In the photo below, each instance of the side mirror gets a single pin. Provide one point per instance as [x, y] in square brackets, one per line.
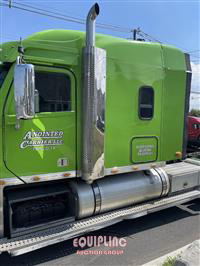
[24, 91]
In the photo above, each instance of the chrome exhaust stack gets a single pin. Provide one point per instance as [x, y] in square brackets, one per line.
[93, 103]
[90, 25]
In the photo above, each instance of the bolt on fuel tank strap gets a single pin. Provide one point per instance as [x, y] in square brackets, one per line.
[97, 198]
[165, 181]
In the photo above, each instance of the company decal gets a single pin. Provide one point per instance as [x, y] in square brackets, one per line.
[42, 139]
[143, 150]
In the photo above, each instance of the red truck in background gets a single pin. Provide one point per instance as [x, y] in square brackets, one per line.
[193, 131]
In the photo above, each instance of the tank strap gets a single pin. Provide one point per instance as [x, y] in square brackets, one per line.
[97, 198]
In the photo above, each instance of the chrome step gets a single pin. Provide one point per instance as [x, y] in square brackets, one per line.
[28, 243]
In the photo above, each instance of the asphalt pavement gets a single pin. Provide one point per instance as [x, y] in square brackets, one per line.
[147, 237]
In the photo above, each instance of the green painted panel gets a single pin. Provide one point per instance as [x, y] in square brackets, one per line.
[40, 143]
[173, 103]
[124, 79]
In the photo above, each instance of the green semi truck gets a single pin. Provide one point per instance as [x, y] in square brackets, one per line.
[93, 131]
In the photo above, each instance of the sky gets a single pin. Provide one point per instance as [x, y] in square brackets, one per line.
[175, 22]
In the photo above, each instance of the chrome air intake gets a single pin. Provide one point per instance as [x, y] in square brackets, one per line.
[118, 191]
[93, 103]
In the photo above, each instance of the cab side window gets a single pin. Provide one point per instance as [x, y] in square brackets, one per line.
[146, 103]
[196, 126]
[54, 91]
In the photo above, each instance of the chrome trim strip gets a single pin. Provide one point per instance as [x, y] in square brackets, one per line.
[48, 177]
[133, 168]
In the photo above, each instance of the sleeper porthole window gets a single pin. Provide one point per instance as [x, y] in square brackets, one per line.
[146, 103]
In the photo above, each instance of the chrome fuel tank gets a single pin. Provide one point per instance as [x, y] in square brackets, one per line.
[118, 191]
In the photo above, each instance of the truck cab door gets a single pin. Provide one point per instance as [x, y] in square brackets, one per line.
[46, 144]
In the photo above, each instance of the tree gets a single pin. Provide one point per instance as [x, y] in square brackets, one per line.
[194, 112]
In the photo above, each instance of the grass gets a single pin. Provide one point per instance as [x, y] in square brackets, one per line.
[170, 261]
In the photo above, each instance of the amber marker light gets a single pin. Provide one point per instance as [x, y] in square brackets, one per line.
[36, 178]
[114, 170]
[66, 174]
[2, 183]
[178, 154]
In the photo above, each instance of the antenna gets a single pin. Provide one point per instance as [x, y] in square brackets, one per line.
[135, 32]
